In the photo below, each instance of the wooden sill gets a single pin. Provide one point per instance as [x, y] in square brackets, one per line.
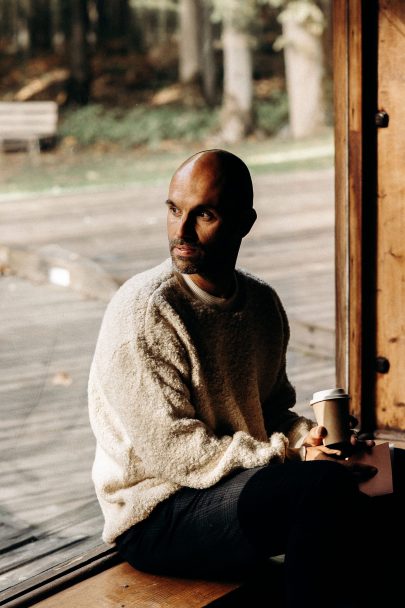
[121, 585]
[52, 580]
[115, 585]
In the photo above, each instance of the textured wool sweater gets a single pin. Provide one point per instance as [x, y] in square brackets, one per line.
[181, 393]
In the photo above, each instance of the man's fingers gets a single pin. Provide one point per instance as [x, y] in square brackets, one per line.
[331, 452]
[321, 452]
[358, 445]
[316, 434]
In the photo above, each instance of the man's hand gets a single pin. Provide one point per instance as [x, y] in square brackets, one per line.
[315, 450]
[361, 472]
[356, 443]
[315, 436]
[317, 433]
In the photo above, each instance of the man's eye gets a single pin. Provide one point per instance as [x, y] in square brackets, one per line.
[174, 210]
[207, 215]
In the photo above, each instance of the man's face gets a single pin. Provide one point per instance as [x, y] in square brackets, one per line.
[204, 230]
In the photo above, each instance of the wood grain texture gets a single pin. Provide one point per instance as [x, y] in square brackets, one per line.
[390, 387]
[340, 97]
[124, 586]
[348, 188]
[355, 296]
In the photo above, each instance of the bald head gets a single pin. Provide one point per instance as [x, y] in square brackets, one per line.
[210, 210]
[226, 172]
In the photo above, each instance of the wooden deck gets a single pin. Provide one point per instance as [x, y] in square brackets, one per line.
[48, 510]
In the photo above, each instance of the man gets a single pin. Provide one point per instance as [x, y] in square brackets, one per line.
[199, 463]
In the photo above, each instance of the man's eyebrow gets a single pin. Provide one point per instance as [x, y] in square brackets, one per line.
[200, 206]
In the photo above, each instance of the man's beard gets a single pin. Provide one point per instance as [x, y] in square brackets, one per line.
[184, 264]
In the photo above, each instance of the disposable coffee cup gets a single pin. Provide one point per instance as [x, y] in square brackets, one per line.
[331, 409]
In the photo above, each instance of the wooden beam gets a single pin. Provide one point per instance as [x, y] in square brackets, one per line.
[354, 95]
[355, 300]
[348, 182]
[340, 67]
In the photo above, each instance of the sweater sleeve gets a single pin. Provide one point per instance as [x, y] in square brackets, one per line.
[141, 395]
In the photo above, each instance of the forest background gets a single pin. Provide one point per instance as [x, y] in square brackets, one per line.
[155, 76]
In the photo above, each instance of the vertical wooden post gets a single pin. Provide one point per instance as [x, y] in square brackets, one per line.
[347, 37]
[355, 77]
[390, 272]
[340, 69]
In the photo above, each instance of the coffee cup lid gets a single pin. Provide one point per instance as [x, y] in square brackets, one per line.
[330, 393]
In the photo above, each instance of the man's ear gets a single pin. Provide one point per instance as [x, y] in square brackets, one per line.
[249, 218]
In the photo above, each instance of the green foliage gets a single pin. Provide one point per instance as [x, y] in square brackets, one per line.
[141, 125]
[145, 125]
[271, 115]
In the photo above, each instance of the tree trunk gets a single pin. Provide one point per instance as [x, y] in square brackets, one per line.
[119, 21]
[79, 83]
[162, 22]
[237, 101]
[303, 55]
[22, 42]
[6, 25]
[40, 25]
[113, 27]
[189, 58]
[102, 23]
[208, 65]
[134, 29]
[58, 35]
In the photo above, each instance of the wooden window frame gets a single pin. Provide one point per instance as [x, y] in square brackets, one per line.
[355, 103]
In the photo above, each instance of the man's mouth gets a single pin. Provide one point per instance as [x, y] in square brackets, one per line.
[185, 250]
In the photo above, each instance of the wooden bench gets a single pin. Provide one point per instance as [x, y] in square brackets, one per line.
[122, 585]
[27, 122]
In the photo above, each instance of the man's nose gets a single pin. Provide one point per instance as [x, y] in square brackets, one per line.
[185, 228]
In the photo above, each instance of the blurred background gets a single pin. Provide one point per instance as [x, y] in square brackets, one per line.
[137, 86]
[135, 74]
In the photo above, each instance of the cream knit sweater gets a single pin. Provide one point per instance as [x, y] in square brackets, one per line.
[181, 393]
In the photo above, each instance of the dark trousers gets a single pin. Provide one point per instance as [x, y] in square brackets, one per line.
[311, 512]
